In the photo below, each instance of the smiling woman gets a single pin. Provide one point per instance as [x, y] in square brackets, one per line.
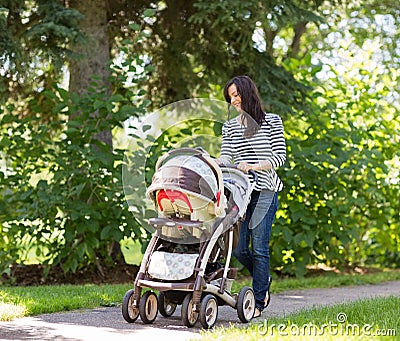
[255, 141]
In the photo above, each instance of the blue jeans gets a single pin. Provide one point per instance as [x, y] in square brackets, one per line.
[256, 228]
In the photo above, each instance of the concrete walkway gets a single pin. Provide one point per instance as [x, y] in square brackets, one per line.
[108, 323]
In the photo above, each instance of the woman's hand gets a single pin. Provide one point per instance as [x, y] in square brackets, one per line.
[244, 166]
[263, 165]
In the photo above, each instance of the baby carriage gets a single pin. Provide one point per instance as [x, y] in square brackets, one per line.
[187, 260]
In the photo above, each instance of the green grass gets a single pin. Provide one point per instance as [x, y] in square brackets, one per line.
[328, 280]
[366, 319]
[27, 301]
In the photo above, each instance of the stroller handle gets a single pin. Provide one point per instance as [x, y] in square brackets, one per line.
[251, 172]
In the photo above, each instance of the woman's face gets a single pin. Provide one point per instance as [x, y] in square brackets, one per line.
[233, 94]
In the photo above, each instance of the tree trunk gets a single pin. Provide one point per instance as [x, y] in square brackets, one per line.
[94, 58]
[94, 53]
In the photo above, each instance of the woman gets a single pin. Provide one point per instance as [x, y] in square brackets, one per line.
[254, 140]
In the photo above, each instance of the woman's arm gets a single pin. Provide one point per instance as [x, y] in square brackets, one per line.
[278, 146]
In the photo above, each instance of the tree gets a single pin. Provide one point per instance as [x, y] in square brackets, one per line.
[62, 186]
[92, 67]
[34, 41]
[61, 183]
[95, 54]
[38, 38]
[196, 46]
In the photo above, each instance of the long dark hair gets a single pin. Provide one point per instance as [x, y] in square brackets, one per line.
[250, 105]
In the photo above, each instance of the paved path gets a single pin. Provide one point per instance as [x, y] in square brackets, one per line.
[108, 323]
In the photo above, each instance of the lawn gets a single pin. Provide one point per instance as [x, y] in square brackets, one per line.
[27, 301]
[364, 319]
[328, 280]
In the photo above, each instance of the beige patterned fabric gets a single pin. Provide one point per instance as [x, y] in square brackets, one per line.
[172, 266]
[197, 165]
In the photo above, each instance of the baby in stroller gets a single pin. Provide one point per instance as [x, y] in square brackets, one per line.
[187, 260]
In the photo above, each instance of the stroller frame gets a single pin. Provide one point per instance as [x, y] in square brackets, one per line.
[206, 289]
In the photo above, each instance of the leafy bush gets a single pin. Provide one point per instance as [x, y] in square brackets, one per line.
[61, 188]
[340, 204]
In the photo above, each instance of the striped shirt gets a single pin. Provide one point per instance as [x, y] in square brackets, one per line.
[267, 144]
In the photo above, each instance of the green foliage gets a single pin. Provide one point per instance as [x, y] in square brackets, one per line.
[35, 35]
[61, 188]
[197, 44]
[63, 192]
[340, 205]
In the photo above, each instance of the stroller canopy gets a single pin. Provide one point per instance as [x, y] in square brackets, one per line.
[193, 195]
[189, 171]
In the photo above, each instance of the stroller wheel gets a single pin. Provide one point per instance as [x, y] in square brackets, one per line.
[208, 311]
[148, 307]
[165, 306]
[129, 312]
[189, 316]
[246, 304]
